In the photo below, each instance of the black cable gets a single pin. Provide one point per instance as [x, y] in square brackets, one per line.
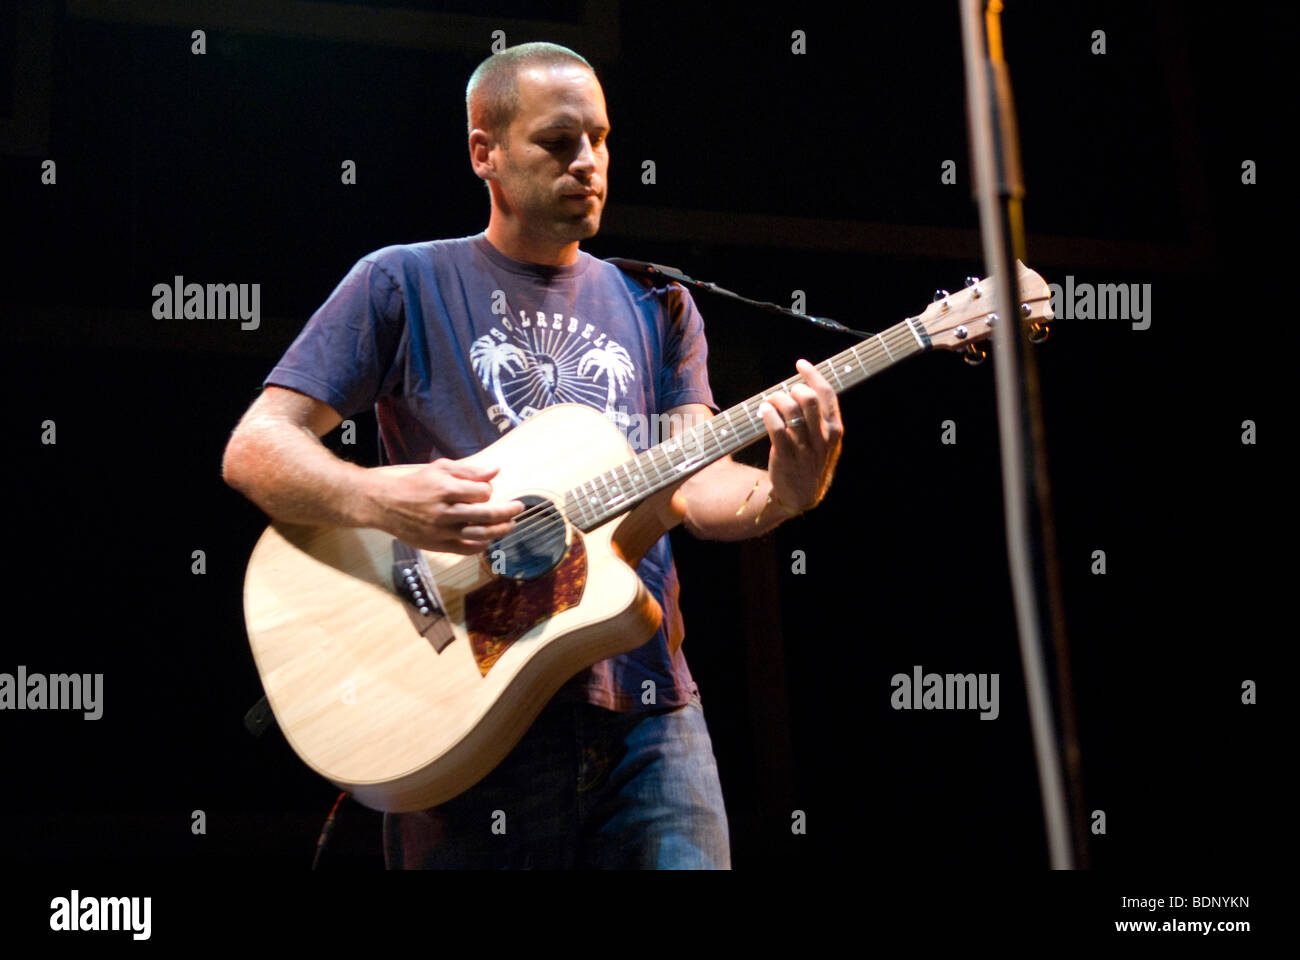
[327, 829]
[658, 270]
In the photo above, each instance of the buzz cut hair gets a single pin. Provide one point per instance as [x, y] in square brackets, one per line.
[492, 94]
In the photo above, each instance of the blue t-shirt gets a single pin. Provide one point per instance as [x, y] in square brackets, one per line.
[454, 343]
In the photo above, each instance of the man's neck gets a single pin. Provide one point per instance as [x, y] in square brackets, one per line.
[516, 246]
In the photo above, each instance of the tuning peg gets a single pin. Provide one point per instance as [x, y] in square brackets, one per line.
[974, 355]
[939, 295]
[970, 281]
[1038, 332]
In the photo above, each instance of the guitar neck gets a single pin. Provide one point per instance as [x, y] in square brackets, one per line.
[604, 497]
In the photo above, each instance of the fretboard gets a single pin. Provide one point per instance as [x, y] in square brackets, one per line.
[602, 498]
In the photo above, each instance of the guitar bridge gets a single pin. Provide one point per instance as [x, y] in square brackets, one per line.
[418, 592]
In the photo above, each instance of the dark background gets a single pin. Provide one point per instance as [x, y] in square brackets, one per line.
[775, 172]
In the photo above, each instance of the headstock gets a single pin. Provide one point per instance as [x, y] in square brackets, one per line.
[957, 321]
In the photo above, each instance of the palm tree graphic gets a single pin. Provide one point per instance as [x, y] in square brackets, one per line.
[490, 357]
[612, 361]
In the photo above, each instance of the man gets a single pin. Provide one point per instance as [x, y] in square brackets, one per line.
[457, 341]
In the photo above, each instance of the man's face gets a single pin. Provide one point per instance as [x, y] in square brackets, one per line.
[553, 169]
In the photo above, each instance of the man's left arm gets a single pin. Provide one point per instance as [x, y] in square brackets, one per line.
[725, 499]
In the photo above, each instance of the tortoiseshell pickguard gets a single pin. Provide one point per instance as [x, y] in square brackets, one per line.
[499, 613]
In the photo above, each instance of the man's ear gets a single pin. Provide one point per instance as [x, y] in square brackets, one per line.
[482, 157]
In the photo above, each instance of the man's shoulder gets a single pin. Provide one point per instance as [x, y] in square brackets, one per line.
[670, 298]
[398, 258]
[667, 293]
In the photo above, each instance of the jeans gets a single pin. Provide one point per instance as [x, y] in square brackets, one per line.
[586, 788]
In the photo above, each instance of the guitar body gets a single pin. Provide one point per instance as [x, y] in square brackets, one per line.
[371, 703]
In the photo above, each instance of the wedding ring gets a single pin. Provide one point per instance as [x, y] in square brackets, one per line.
[794, 422]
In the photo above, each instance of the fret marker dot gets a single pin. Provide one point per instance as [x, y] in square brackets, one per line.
[847, 368]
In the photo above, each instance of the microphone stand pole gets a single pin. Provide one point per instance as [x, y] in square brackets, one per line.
[999, 189]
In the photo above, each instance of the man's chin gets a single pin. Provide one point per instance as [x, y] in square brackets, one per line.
[580, 228]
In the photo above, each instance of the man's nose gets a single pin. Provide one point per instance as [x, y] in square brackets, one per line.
[586, 156]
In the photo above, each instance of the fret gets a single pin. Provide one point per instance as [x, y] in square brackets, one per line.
[730, 427]
[910, 321]
[839, 384]
[654, 458]
[589, 495]
[611, 483]
[713, 435]
[610, 493]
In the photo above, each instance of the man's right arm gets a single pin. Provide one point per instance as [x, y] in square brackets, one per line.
[276, 459]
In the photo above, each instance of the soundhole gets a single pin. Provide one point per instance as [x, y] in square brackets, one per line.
[534, 546]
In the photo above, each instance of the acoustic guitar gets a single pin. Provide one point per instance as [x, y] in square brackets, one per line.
[403, 676]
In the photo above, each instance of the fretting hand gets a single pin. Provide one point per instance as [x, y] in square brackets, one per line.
[806, 433]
